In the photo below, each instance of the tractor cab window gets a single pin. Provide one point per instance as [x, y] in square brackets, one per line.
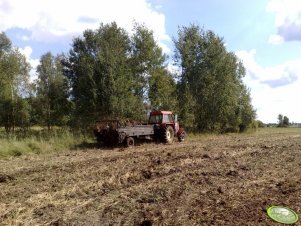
[154, 119]
[168, 118]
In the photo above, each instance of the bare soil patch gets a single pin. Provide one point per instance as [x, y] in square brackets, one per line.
[218, 180]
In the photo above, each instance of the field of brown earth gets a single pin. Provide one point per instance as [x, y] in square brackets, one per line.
[209, 180]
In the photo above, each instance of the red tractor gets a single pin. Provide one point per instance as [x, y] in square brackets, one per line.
[166, 126]
[162, 126]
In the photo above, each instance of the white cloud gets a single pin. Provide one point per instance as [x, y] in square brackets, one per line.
[286, 10]
[52, 20]
[287, 20]
[248, 59]
[275, 89]
[27, 51]
[276, 39]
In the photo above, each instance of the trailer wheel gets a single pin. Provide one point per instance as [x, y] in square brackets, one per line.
[130, 142]
[169, 135]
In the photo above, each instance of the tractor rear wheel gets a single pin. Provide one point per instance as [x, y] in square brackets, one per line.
[130, 142]
[169, 134]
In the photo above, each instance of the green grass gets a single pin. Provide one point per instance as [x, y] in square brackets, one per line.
[40, 141]
[277, 130]
[250, 132]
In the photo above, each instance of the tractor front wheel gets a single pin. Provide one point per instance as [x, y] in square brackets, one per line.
[181, 136]
[169, 135]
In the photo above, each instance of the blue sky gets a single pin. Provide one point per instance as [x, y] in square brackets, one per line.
[264, 34]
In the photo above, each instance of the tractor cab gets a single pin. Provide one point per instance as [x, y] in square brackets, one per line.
[165, 118]
[161, 117]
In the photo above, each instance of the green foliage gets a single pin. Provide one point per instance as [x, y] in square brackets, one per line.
[210, 88]
[283, 121]
[51, 104]
[100, 76]
[162, 90]
[187, 106]
[280, 119]
[260, 124]
[14, 76]
[153, 82]
[286, 121]
[247, 114]
[113, 74]
[5, 43]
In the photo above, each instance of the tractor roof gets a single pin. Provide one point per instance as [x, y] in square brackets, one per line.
[161, 113]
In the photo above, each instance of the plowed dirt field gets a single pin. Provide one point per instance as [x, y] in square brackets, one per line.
[212, 180]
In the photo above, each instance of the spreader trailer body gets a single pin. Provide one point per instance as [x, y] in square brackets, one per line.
[162, 126]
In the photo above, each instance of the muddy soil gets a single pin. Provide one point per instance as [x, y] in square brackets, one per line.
[214, 180]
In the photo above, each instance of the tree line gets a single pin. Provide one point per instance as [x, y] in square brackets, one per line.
[109, 73]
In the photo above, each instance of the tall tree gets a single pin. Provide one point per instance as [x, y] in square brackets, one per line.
[153, 82]
[52, 92]
[210, 88]
[14, 77]
[283, 121]
[286, 121]
[280, 120]
[99, 70]
[246, 112]
[185, 59]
